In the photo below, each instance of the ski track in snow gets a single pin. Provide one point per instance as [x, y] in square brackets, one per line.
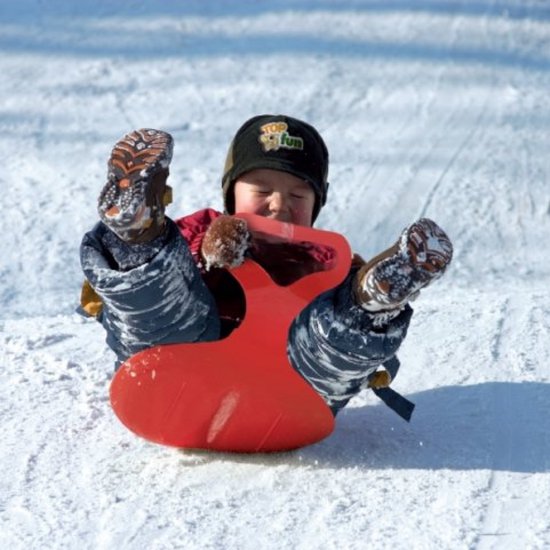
[435, 109]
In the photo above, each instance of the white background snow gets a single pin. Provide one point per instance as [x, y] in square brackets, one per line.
[429, 107]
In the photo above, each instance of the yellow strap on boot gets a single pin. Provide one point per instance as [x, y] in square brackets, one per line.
[168, 196]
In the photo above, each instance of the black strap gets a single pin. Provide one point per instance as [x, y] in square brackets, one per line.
[395, 401]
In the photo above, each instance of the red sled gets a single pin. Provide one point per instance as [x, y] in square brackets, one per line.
[238, 394]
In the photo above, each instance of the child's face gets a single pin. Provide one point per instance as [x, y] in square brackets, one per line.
[274, 194]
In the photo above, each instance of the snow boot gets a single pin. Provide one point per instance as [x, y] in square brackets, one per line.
[133, 200]
[394, 277]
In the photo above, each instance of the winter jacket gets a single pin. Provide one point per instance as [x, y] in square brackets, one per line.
[158, 293]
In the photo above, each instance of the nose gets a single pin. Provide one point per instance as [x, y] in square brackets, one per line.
[277, 203]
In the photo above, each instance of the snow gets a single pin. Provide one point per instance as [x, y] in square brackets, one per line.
[435, 108]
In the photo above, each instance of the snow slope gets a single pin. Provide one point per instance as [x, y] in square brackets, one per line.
[429, 107]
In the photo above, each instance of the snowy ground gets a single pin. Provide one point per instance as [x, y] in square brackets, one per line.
[429, 107]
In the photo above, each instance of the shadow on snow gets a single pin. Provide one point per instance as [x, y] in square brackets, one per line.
[493, 425]
[78, 29]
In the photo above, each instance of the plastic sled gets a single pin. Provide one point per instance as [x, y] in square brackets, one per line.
[238, 394]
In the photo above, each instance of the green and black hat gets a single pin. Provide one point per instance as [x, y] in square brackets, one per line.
[281, 143]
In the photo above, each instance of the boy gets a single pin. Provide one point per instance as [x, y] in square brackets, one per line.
[161, 281]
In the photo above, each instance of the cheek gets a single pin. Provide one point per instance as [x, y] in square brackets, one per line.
[248, 204]
[302, 214]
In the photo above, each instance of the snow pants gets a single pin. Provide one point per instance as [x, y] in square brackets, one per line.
[154, 294]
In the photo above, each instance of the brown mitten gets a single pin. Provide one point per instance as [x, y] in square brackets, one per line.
[225, 242]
